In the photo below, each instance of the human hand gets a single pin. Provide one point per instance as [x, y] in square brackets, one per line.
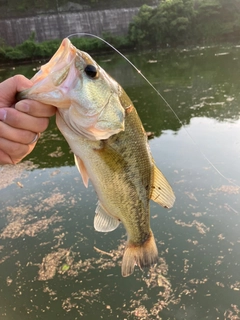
[20, 123]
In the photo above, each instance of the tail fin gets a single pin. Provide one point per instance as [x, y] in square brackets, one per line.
[141, 255]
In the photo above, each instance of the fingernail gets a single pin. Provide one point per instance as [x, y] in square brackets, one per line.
[3, 114]
[22, 106]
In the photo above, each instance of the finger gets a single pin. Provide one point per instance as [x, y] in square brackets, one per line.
[16, 135]
[35, 108]
[4, 158]
[13, 152]
[10, 87]
[20, 120]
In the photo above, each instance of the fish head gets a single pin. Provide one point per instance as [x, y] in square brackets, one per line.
[87, 98]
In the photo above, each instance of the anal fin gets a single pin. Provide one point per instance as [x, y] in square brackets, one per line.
[104, 222]
[162, 192]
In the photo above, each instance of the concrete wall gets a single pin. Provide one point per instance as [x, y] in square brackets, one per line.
[58, 26]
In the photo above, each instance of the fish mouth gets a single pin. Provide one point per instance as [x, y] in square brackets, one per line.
[59, 61]
[63, 83]
[53, 81]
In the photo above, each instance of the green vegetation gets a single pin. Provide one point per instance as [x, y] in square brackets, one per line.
[65, 267]
[180, 22]
[171, 23]
[31, 50]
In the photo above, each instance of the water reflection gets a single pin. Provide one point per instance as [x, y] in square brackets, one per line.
[54, 265]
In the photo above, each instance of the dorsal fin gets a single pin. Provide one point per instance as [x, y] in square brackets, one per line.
[82, 169]
[162, 192]
[103, 222]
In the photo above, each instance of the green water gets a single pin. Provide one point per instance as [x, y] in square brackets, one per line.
[49, 265]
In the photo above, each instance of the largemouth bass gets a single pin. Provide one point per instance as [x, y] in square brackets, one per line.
[110, 147]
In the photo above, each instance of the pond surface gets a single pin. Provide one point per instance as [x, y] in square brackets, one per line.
[54, 265]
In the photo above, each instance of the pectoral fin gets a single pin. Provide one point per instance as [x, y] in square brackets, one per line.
[82, 169]
[103, 222]
[162, 192]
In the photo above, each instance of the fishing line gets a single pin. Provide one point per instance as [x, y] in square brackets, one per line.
[164, 100]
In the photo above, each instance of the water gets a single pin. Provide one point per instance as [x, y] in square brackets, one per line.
[50, 264]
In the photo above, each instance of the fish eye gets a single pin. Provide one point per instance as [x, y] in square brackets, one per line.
[91, 71]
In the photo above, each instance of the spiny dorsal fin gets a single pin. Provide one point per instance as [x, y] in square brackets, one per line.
[82, 169]
[103, 222]
[162, 192]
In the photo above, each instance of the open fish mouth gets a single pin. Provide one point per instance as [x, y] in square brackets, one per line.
[53, 81]
[60, 61]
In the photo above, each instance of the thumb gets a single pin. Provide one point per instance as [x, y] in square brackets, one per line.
[10, 87]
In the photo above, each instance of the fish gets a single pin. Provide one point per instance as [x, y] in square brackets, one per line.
[110, 146]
